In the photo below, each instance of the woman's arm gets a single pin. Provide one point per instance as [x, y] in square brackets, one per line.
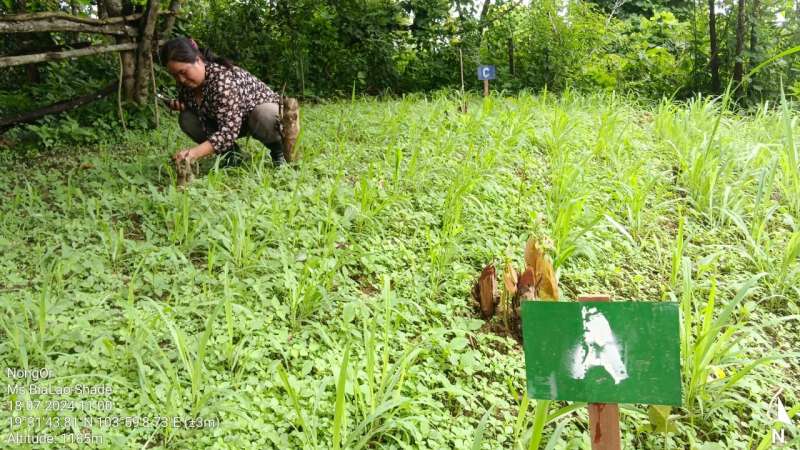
[229, 119]
[225, 103]
[199, 151]
[229, 122]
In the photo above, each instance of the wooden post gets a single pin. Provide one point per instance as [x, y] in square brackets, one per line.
[485, 88]
[603, 417]
[145, 51]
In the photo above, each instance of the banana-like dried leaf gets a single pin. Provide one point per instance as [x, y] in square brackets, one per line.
[532, 253]
[544, 275]
[510, 279]
[290, 127]
[487, 290]
[526, 286]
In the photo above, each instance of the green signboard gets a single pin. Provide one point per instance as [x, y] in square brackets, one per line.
[602, 352]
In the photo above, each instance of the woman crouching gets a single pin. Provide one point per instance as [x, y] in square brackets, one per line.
[219, 103]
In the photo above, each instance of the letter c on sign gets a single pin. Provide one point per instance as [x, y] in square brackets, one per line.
[486, 72]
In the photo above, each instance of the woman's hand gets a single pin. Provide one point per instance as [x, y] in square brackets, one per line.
[194, 153]
[175, 105]
[183, 154]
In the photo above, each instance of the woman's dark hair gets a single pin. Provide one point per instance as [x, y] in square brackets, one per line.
[186, 50]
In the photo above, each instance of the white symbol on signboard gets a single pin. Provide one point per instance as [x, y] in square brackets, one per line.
[486, 72]
[597, 348]
[781, 416]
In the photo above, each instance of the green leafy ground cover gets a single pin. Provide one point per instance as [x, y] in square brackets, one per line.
[327, 305]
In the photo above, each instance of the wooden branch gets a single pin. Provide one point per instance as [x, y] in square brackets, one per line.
[79, 19]
[52, 48]
[55, 56]
[57, 22]
[44, 16]
[66, 105]
[61, 24]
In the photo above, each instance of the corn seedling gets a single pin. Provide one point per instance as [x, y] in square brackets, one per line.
[229, 324]
[178, 219]
[528, 432]
[113, 241]
[305, 293]
[190, 293]
[677, 253]
[637, 188]
[706, 343]
[383, 410]
[339, 408]
[17, 341]
[237, 240]
[192, 359]
[789, 160]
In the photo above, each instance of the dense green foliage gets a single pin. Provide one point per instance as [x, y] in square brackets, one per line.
[649, 48]
[324, 48]
[327, 304]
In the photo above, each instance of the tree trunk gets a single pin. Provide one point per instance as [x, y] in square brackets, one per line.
[32, 74]
[145, 51]
[75, 9]
[713, 63]
[753, 32]
[174, 7]
[511, 67]
[115, 8]
[484, 12]
[738, 65]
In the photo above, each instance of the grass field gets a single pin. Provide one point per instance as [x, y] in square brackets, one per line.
[327, 305]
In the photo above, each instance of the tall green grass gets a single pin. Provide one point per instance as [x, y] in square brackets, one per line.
[327, 304]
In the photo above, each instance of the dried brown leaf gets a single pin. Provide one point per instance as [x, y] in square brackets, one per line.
[526, 286]
[290, 127]
[532, 254]
[547, 288]
[510, 278]
[487, 284]
[544, 275]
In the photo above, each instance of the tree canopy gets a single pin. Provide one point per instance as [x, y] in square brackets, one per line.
[324, 48]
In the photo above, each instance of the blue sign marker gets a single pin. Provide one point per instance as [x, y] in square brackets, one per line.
[487, 72]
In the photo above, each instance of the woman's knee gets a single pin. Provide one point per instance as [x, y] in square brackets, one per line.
[190, 124]
[263, 123]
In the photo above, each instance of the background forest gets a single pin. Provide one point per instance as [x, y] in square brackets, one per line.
[320, 49]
